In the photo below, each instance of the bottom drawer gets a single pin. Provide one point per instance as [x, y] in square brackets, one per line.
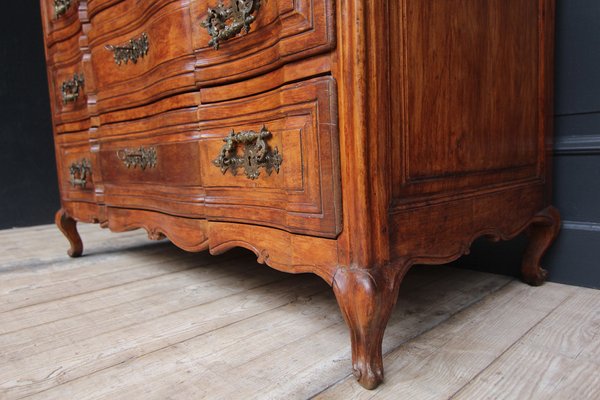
[75, 171]
[269, 159]
[159, 171]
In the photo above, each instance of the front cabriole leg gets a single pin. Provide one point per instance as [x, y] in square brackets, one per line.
[543, 230]
[68, 226]
[366, 298]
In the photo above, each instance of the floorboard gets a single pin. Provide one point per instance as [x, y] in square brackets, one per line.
[139, 319]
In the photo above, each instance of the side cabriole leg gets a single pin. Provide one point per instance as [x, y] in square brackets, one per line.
[542, 232]
[68, 226]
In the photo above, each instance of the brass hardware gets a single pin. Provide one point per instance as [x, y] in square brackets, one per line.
[80, 172]
[256, 154]
[239, 12]
[142, 157]
[70, 89]
[61, 7]
[136, 48]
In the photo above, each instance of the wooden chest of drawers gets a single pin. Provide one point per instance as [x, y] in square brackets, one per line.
[351, 139]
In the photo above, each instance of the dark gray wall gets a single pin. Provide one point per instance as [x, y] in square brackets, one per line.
[29, 195]
[576, 256]
[28, 189]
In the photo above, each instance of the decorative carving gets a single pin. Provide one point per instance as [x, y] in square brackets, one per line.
[155, 233]
[136, 48]
[240, 12]
[61, 7]
[142, 157]
[256, 154]
[80, 172]
[70, 89]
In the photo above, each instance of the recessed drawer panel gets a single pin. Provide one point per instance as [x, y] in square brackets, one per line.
[75, 168]
[272, 159]
[279, 31]
[141, 52]
[159, 170]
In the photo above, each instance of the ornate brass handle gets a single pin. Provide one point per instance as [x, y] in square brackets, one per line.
[61, 7]
[70, 89]
[256, 154]
[80, 171]
[239, 12]
[135, 49]
[142, 157]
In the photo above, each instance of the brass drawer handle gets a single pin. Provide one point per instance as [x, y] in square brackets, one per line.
[256, 154]
[142, 157]
[61, 7]
[80, 172]
[70, 89]
[240, 12]
[136, 48]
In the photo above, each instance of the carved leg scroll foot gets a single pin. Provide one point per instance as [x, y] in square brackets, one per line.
[68, 226]
[543, 230]
[366, 298]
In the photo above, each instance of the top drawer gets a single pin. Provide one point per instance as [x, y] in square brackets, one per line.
[280, 31]
[60, 19]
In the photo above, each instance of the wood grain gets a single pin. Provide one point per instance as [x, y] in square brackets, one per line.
[407, 130]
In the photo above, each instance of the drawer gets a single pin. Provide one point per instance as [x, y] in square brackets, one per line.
[280, 31]
[141, 52]
[60, 20]
[155, 170]
[292, 129]
[75, 169]
[68, 96]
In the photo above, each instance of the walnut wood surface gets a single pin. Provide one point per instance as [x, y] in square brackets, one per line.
[367, 298]
[68, 226]
[407, 128]
[542, 232]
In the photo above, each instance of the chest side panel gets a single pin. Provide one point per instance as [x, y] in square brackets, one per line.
[465, 95]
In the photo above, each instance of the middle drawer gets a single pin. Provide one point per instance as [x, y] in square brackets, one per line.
[270, 159]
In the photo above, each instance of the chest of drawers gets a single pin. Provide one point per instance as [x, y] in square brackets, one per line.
[350, 139]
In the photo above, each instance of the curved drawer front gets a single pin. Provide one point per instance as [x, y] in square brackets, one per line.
[68, 96]
[280, 31]
[298, 127]
[75, 168]
[140, 52]
[60, 20]
[147, 164]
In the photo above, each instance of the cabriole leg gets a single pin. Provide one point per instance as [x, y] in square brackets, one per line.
[68, 226]
[366, 298]
[543, 230]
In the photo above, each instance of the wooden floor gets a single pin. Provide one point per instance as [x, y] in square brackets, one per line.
[135, 319]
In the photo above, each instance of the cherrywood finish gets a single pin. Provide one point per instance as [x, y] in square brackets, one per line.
[406, 130]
